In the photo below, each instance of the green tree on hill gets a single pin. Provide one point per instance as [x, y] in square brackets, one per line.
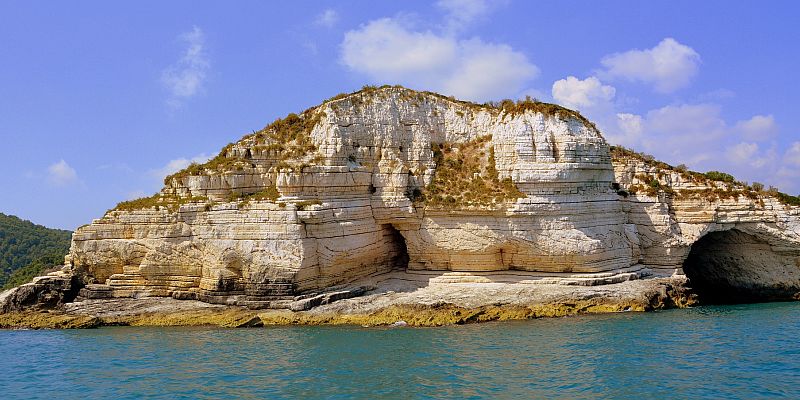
[27, 249]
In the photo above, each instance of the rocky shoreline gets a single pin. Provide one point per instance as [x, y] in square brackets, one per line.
[394, 301]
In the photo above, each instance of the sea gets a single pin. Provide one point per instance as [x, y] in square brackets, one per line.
[739, 352]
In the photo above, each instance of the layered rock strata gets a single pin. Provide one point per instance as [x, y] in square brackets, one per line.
[735, 243]
[395, 301]
[389, 179]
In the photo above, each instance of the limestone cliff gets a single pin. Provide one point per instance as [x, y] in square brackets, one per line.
[733, 242]
[393, 179]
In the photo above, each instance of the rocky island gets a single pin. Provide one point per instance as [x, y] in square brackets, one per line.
[390, 204]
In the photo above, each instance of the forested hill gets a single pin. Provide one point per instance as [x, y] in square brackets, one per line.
[27, 249]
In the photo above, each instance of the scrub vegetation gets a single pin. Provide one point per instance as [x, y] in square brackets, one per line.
[721, 185]
[157, 201]
[466, 176]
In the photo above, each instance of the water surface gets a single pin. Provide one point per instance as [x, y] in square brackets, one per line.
[747, 351]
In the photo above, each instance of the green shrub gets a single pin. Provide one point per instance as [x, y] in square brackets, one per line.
[170, 202]
[270, 193]
[720, 176]
[36, 268]
[784, 198]
[511, 107]
[288, 139]
[621, 153]
[465, 175]
[25, 245]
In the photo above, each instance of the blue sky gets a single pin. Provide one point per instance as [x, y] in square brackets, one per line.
[100, 100]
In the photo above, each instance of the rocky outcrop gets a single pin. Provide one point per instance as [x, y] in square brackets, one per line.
[44, 292]
[395, 302]
[389, 179]
[735, 243]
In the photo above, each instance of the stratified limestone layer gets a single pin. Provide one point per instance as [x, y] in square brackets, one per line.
[394, 301]
[383, 180]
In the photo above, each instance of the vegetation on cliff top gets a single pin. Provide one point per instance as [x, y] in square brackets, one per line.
[157, 201]
[465, 175]
[285, 139]
[27, 249]
[730, 188]
[507, 106]
[288, 140]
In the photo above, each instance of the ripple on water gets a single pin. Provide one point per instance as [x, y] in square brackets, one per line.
[732, 351]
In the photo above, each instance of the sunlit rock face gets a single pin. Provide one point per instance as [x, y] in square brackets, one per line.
[389, 178]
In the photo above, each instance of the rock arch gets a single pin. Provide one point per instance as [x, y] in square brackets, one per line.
[733, 266]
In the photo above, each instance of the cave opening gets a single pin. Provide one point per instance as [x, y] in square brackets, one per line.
[398, 252]
[730, 267]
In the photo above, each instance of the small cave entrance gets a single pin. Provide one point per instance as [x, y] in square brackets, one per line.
[398, 252]
[730, 267]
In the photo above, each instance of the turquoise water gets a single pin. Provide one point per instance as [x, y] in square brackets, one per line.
[748, 351]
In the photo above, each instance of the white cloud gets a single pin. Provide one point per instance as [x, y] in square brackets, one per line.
[384, 49]
[760, 127]
[628, 132]
[387, 52]
[697, 135]
[460, 13]
[700, 121]
[668, 66]
[327, 18]
[630, 124]
[786, 179]
[178, 164]
[61, 174]
[689, 132]
[185, 78]
[488, 71]
[792, 155]
[749, 160]
[743, 152]
[686, 133]
[575, 93]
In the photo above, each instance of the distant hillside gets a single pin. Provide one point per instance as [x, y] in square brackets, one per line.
[27, 249]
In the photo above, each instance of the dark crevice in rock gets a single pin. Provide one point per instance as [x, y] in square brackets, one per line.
[399, 249]
[732, 267]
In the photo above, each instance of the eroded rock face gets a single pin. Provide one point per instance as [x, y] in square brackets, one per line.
[733, 266]
[392, 179]
[735, 244]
